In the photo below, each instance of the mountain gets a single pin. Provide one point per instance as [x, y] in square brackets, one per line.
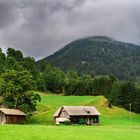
[99, 55]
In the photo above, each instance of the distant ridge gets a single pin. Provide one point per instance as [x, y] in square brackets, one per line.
[99, 55]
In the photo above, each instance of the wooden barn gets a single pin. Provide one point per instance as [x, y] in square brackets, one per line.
[11, 116]
[77, 114]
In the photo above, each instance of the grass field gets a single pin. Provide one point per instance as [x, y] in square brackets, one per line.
[115, 123]
[69, 132]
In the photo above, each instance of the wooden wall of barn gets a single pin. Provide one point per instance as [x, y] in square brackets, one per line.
[2, 118]
[64, 114]
[13, 119]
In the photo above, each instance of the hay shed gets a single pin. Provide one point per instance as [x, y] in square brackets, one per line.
[77, 114]
[11, 116]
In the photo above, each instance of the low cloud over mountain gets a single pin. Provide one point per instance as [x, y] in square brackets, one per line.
[41, 27]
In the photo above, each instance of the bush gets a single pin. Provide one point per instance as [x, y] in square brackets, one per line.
[82, 121]
[67, 123]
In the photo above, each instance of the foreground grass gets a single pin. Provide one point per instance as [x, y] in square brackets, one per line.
[38, 132]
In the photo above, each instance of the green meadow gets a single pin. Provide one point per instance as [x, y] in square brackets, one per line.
[42, 132]
[115, 123]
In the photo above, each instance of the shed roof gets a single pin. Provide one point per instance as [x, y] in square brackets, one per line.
[8, 111]
[78, 111]
[57, 112]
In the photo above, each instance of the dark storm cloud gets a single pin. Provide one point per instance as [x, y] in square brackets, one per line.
[40, 27]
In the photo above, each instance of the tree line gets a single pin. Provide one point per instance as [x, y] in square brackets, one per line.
[19, 77]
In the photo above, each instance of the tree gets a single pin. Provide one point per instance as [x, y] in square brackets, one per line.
[2, 61]
[70, 83]
[127, 95]
[136, 103]
[41, 85]
[15, 87]
[53, 79]
[18, 55]
[30, 65]
[10, 63]
[102, 85]
[115, 92]
[85, 85]
[10, 52]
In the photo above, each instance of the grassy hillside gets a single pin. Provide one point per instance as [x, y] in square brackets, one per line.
[99, 55]
[50, 103]
[115, 122]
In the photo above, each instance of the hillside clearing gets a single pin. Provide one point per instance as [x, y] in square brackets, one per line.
[50, 103]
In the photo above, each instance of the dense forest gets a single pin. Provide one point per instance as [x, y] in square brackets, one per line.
[99, 56]
[20, 76]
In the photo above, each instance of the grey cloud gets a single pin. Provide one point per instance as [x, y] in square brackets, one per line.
[8, 13]
[40, 27]
[42, 13]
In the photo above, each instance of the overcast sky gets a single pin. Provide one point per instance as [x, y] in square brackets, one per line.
[41, 27]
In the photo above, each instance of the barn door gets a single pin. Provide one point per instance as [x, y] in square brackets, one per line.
[88, 121]
[0, 118]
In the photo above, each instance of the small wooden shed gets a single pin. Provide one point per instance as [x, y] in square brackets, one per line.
[77, 114]
[11, 116]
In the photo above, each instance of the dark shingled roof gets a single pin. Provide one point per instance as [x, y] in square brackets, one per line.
[78, 111]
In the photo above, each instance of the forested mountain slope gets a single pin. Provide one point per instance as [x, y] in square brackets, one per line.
[99, 56]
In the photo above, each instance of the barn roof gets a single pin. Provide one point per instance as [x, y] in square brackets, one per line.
[57, 112]
[8, 111]
[78, 111]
